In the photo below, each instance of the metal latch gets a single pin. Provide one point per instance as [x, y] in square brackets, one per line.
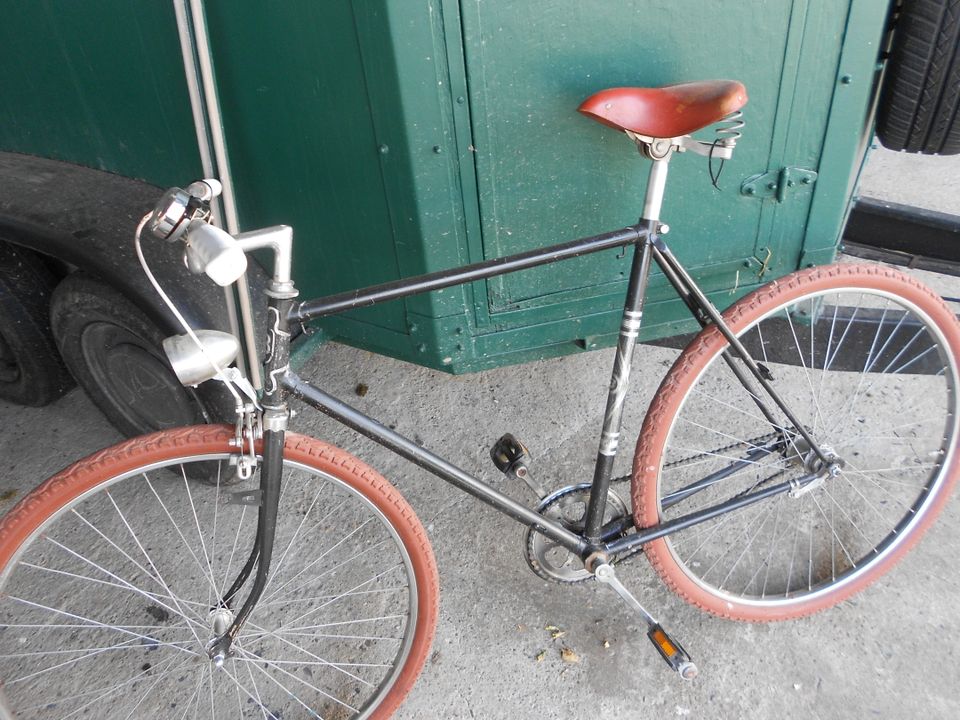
[778, 183]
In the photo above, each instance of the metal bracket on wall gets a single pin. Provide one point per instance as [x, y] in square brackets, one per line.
[778, 183]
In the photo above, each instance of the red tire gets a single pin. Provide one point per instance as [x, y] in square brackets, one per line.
[694, 569]
[121, 490]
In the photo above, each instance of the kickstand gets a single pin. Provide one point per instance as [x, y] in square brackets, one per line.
[670, 650]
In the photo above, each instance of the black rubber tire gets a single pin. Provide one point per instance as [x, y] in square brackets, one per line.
[920, 98]
[114, 351]
[31, 372]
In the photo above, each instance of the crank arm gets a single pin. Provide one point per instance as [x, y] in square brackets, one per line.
[670, 650]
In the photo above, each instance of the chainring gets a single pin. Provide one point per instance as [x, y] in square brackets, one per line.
[568, 507]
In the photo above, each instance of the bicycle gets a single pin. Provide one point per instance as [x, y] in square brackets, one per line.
[766, 482]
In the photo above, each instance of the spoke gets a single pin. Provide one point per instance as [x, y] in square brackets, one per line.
[739, 441]
[870, 361]
[233, 551]
[88, 653]
[746, 547]
[256, 664]
[773, 544]
[301, 663]
[344, 594]
[303, 520]
[723, 520]
[886, 370]
[908, 468]
[894, 498]
[147, 556]
[207, 575]
[835, 538]
[257, 699]
[213, 712]
[296, 633]
[318, 559]
[112, 690]
[309, 581]
[75, 626]
[321, 598]
[268, 633]
[87, 693]
[732, 459]
[743, 531]
[818, 413]
[122, 584]
[156, 682]
[194, 698]
[850, 323]
[793, 551]
[213, 541]
[869, 503]
[119, 549]
[89, 622]
[827, 360]
[338, 623]
[122, 646]
[878, 479]
[718, 401]
[845, 514]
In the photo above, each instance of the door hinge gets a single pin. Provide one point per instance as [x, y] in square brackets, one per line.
[778, 183]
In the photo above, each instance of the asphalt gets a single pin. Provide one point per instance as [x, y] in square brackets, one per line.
[890, 652]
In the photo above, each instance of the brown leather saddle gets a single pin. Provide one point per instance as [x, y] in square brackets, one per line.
[666, 112]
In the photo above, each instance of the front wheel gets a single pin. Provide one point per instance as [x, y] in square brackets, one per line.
[111, 574]
[867, 360]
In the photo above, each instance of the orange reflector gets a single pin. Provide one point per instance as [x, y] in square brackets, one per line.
[663, 642]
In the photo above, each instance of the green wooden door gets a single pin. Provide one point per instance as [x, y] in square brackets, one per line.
[546, 174]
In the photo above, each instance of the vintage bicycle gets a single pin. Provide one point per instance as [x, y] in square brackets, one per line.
[249, 571]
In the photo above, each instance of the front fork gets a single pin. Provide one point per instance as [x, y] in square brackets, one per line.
[275, 416]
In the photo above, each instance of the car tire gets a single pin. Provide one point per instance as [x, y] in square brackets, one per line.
[31, 372]
[114, 351]
[920, 97]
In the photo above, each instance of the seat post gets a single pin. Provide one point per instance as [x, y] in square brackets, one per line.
[656, 184]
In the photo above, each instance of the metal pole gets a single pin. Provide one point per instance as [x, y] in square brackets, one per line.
[205, 62]
[192, 72]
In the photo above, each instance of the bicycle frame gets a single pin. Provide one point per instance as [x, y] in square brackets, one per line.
[648, 247]
[595, 537]
[599, 542]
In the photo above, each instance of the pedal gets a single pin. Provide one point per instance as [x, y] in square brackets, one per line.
[673, 652]
[510, 457]
[669, 649]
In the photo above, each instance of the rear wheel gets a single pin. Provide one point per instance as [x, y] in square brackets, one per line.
[866, 358]
[111, 573]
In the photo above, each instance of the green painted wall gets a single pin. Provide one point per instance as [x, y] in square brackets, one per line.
[404, 136]
[98, 84]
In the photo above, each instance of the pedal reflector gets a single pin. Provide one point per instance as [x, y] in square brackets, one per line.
[671, 651]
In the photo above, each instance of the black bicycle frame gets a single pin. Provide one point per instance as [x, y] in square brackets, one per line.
[648, 247]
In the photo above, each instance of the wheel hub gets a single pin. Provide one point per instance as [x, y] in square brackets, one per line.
[221, 619]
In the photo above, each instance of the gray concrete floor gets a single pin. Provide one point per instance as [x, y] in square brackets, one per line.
[890, 652]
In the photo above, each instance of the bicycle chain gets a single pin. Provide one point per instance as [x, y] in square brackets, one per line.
[754, 442]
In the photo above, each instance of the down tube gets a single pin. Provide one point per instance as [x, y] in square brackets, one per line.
[408, 449]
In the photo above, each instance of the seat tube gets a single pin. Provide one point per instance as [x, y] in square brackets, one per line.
[627, 341]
